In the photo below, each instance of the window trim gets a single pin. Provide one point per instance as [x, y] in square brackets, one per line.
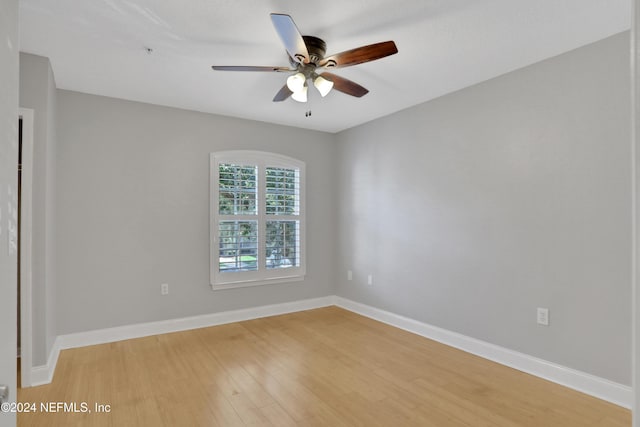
[263, 276]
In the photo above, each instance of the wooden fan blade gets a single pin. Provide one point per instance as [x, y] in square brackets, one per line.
[248, 68]
[346, 86]
[282, 94]
[360, 54]
[291, 37]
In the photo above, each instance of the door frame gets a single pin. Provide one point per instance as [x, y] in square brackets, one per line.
[26, 248]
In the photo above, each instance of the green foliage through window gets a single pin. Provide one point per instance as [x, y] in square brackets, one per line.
[282, 244]
[281, 191]
[237, 194]
[238, 245]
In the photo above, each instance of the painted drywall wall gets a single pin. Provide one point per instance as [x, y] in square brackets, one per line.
[38, 92]
[133, 211]
[635, 78]
[8, 198]
[474, 209]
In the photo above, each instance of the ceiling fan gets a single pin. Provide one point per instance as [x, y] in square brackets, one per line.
[308, 62]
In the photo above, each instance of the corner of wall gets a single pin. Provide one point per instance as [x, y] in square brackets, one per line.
[38, 92]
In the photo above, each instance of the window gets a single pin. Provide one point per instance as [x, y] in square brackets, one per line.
[257, 219]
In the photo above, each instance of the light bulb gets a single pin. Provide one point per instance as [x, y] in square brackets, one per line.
[323, 85]
[301, 95]
[295, 82]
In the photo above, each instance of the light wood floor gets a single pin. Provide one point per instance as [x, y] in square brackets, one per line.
[324, 367]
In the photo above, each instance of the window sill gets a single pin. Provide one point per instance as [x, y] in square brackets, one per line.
[247, 283]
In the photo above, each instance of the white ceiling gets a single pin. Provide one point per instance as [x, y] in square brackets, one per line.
[98, 46]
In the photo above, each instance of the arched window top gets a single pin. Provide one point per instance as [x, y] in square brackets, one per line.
[257, 218]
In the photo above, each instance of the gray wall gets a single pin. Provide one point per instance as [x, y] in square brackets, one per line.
[8, 192]
[635, 67]
[133, 211]
[472, 210]
[38, 92]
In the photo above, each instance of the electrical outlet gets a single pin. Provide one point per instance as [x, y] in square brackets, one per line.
[543, 316]
[164, 289]
[370, 279]
[349, 275]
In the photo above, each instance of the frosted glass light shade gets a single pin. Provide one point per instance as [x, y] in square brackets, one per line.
[295, 83]
[300, 95]
[323, 85]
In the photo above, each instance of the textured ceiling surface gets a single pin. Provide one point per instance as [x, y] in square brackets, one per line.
[99, 47]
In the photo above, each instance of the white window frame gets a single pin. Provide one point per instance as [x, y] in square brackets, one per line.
[263, 276]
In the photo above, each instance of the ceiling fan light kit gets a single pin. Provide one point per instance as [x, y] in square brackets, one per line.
[296, 82]
[323, 85]
[307, 58]
[301, 95]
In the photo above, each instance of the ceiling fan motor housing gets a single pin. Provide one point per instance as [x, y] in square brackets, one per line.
[316, 48]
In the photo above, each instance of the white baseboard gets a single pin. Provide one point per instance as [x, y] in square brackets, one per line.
[43, 374]
[102, 336]
[601, 388]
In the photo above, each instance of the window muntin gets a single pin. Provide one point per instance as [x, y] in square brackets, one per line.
[257, 219]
